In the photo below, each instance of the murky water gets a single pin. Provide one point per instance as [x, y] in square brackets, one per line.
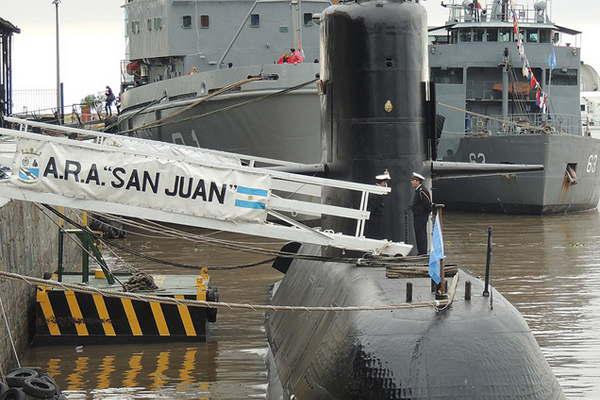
[549, 268]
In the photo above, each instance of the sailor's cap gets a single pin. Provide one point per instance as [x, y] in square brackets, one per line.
[417, 176]
[384, 177]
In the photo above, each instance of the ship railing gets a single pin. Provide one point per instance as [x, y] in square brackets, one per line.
[98, 144]
[461, 12]
[521, 124]
[78, 114]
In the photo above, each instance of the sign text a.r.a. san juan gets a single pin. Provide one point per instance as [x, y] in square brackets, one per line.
[138, 180]
[150, 182]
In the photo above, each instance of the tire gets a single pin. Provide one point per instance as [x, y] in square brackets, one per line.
[39, 388]
[16, 377]
[49, 379]
[13, 394]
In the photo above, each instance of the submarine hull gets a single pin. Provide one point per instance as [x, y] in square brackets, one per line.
[473, 350]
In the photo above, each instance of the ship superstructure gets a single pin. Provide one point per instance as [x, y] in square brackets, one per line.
[180, 52]
[508, 84]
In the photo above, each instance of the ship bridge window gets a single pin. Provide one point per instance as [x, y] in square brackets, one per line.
[447, 75]
[505, 35]
[149, 24]
[186, 22]
[545, 35]
[454, 37]
[283, 29]
[562, 77]
[157, 24]
[254, 20]
[204, 21]
[478, 35]
[135, 27]
[466, 35]
[308, 19]
[492, 35]
[532, 35]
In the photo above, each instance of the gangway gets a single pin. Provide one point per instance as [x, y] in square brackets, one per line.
[140, 178]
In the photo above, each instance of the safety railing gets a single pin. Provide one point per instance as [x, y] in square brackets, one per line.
[521, 124]
[467, 11]
[280, 180]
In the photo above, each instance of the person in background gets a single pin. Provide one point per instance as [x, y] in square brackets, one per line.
[283, 59]
[110, 98]
[421, 208]
[296, 57]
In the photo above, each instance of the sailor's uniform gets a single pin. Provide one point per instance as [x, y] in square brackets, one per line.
[421, 209]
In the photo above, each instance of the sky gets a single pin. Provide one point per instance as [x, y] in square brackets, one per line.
[92, 43]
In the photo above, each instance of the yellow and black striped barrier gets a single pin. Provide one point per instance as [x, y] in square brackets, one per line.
[66, 316]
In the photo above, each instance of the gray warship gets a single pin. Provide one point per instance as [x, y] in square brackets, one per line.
[377, 113]
[491, 112]
[186, 81]
[204, 73]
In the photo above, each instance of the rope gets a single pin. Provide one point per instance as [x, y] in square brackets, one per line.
[225, 89]
[67, 219]
[228, 108]
[10, 338]
[213, 304]
[179, 265]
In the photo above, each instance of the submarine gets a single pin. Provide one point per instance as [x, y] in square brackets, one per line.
[378, 112]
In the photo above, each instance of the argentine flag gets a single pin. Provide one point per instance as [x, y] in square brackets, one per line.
[247, 197]
[437, 251]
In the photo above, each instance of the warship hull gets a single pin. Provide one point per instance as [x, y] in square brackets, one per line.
[545, 192]
[257, 119]
[478, 348]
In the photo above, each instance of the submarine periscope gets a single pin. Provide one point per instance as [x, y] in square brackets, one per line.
[377, 114]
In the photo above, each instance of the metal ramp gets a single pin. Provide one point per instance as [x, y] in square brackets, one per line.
[178, 184]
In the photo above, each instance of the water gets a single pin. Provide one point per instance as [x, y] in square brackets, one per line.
[549, 268]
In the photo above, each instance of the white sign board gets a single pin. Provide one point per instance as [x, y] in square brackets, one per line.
[89, 172]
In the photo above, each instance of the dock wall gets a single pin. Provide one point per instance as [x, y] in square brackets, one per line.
[28, 246]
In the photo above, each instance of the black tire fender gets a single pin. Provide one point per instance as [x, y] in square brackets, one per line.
[13, 394]
[40, 388]
[16, 377]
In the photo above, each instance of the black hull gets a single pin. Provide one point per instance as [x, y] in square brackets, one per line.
[467, 352]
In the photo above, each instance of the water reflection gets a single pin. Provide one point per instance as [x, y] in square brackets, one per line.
[549, 268]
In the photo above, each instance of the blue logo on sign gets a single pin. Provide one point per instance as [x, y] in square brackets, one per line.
[29, 170]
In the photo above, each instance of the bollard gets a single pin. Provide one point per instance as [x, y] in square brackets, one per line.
[468, 290]
[409, 292]
[486, 291]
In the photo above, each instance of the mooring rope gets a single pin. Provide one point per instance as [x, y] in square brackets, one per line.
[437, 305]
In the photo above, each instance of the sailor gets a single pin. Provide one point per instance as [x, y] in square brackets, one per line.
[383, 179]
[376, 205]
[421, 209]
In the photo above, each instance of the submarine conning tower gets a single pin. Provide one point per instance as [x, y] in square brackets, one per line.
[374, 72]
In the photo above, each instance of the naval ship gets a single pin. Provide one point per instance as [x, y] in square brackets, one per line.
[205, 73]
[493, 111]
